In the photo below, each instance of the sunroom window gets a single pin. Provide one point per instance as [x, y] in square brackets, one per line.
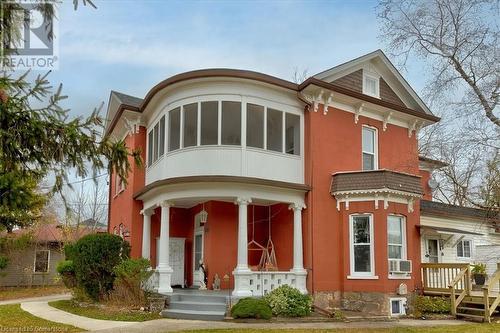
[274, 130]
[190, 125]
[361, 232]
[161, 147]
[209, 122]
[369, 138]
[292, 134]
[174, 128]
[231, 123]
[150, 148]
[255, 126]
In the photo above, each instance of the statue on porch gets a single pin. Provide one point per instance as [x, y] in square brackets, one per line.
[216, 284]
[203, 276]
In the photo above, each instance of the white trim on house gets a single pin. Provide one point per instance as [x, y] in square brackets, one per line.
[361, 275]
[402, 306]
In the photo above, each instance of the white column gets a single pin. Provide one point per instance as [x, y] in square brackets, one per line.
[298, 261]
[146, 233]
[241, 273]
[164, 269]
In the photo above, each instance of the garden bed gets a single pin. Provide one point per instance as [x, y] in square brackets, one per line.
[103, 311]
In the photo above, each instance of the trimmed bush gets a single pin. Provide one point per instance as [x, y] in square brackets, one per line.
[251, 308]
[95, 258]
[289, 302]
[429, 305]
[66, 270]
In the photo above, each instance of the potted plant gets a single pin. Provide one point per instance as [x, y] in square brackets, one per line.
[479, 274]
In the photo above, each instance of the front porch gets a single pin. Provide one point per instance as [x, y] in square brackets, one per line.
[249, 245]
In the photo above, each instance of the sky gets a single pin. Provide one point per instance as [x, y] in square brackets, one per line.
[129, 46]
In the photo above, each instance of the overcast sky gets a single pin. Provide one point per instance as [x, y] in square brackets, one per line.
[130, 46]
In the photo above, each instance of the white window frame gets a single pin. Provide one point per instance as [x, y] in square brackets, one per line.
[119, 185]
[402, 306]
[375, 147]
[374, 77]
[404, 253]
[361, 275]
[463, 252]
[48, 261]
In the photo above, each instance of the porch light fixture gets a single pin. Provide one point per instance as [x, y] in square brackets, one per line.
[203, 216]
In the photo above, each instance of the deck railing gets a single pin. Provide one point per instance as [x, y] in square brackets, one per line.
[460, 284]
[437, 278]
[489, 309]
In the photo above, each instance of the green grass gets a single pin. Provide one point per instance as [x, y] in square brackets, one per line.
[14, 319]
[467, 328]
[103, 312]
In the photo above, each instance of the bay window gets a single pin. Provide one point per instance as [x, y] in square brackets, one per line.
[255, 126]
[369, 148]
[231, 123]
[150, 148]
[361, 249]
[274, 130]
[292, 134]
[161, 148]
[190, 125]
[396, 237]
[209, 122]
[174, 129]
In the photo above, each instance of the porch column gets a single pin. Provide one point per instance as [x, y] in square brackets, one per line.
[298, 261]
[146, 233]
[241, 272]
[164, 269]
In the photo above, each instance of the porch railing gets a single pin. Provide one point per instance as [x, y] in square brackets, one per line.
[461, 284]
[438, 277]
[489, 309]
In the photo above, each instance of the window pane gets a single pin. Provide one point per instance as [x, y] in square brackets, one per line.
[274, 130]
[255, 126]
[155, 142]
[361, 229]
[197, 251]
[209, 122]
[190, 125]
[395, 252]
[231, 123]
[174, 125]
[467, 249]
[162, 136]
[460, 250]
[292, 135]
[371, 86]
[150, 148]
[368, 161]
[41, 261]
[394, 230]
[368, 140]
[362, 258]
[395, 307]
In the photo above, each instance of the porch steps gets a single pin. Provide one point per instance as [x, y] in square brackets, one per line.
[196, 306]
[472, 307]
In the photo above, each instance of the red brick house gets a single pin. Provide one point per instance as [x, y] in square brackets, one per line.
[315, 185]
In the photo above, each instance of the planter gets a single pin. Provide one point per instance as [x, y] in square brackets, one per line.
[480, 279]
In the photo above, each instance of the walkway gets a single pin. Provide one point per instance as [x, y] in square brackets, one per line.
[171, 325]
[43, 310]
[48, 298]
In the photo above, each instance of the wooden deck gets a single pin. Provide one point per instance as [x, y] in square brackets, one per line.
[455, 281]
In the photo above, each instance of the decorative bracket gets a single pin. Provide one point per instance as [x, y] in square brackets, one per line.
[410, 205]
[132, 125]
[317, 99]
[357, 112]
[386, 120]
[327, 104]
[412, 128]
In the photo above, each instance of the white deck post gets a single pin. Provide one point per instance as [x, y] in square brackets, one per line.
[298, 261]
[242, 273]
[146, 233]
[164, 269]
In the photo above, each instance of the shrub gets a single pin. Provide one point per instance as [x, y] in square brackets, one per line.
[289, 302]
[251, 308]
[66, 270]
[94, 258]
[4, 261]
[427, 305]
[130, 274]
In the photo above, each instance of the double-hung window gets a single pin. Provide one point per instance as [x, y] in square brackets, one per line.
[396, 237]
[361, 239]
[41, 261]
[464, 249]
[369, 142]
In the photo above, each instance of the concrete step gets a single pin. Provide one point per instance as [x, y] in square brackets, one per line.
[198, 298]
[198, 306]
[193, 315]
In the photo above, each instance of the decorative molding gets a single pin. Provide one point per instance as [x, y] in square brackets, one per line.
[166, 204]
[147, 211]
[243, 201]
[132, 124]
[386, 120]
[317, 100]
[386, 194]
[296, 206]
[413, 127]
[357, 111]
[328, 101]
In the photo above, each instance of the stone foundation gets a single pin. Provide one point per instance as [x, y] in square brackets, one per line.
[368, 303]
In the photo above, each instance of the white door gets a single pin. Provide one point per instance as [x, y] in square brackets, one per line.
[433, 252]
[176, 259]
[198, 240]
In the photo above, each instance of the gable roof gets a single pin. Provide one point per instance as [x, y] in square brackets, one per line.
[127, 99]
[392, 75]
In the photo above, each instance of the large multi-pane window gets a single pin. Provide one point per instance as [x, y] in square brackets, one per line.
[255, 126]
[396, 234]
[274, 130]
[209, 122]
[361, 234]
[190, 125]
[174, 129]
[292, 134]
[231, 123]
[369, 138]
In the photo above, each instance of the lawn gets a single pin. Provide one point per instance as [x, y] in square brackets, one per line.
[103, 312]
[14, 319]
[469, 328]
[23, 292]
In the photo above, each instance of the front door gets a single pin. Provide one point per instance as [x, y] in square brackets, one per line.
[198, 239]
[432, 250]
